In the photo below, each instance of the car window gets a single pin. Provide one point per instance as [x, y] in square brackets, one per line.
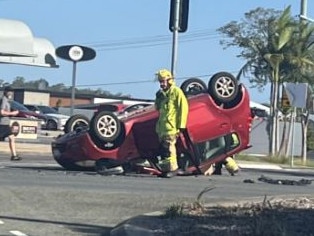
[135, 107]
[47, 109]
[31, 108]
[18, 106]
[211, 149]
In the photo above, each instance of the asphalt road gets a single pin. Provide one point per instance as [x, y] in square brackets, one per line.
[43, 199]
[38, 197]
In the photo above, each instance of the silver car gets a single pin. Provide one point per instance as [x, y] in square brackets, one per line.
[55, 120]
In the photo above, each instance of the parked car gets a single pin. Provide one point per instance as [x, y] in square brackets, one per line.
[24, 112]
[55, 120]
[216, 112]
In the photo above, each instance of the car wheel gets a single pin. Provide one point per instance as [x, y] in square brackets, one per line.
[76, 121]
[51, 125]
[223, 87]
[193, 86]
[105, 126]
[108, 145]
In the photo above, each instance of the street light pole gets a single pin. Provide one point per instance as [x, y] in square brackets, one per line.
[73, 88]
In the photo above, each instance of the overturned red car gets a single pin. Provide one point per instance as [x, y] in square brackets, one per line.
[217, 112]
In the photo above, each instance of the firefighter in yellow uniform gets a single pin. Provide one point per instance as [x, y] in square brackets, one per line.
[172, 106]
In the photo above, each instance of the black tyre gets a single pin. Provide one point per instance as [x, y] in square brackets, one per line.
[76, 121]
[105, 126]
[193, 86]
[51, 125]
[223, 87]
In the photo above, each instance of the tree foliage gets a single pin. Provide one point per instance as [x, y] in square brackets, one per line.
[42, 84]
[251, 35]
[277, 48]
[269, 31]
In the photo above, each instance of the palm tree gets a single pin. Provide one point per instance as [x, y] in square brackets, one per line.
[296, 63]
[276, 49]
[279, 37]
[301, 68]
[291, 60]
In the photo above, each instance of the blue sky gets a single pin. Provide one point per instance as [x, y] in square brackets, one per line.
[132, 40]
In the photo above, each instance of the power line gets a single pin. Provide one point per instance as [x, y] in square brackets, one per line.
[145, 81]
[152, 41]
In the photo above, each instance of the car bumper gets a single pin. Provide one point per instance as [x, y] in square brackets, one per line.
[78, 147]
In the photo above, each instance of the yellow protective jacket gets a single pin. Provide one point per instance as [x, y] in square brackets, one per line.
[173, 111]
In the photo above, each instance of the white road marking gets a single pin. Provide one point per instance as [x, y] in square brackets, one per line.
[1, 222]
[17, 233]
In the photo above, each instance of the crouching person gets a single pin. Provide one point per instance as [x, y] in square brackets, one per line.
[229, 163]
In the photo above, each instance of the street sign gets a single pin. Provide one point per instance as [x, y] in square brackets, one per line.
[285, 103]
[296, 94]
[75, 53]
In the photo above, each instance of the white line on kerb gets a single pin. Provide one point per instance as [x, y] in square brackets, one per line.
[17, 233]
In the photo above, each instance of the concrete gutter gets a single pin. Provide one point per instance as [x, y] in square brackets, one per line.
[258, 165]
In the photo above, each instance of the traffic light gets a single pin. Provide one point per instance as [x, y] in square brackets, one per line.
[183, 15]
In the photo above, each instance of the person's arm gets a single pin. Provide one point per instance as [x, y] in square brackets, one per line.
[8, 113]
[4, 112]
[183, 110]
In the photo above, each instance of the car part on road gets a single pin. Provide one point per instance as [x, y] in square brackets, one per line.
[269, 180]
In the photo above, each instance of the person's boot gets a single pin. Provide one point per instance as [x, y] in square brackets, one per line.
[16, 158]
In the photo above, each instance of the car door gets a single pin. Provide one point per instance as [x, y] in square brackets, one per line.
[206, 120]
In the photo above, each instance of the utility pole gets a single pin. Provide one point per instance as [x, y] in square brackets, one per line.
[303, 11]
[303, 18]
[175, 38]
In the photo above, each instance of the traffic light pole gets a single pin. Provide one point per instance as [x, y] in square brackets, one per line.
[175, 38]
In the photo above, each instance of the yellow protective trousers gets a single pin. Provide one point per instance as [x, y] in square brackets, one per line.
[169, 159]
[231, 165]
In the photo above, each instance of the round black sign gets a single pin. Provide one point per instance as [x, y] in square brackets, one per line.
[76, 53]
